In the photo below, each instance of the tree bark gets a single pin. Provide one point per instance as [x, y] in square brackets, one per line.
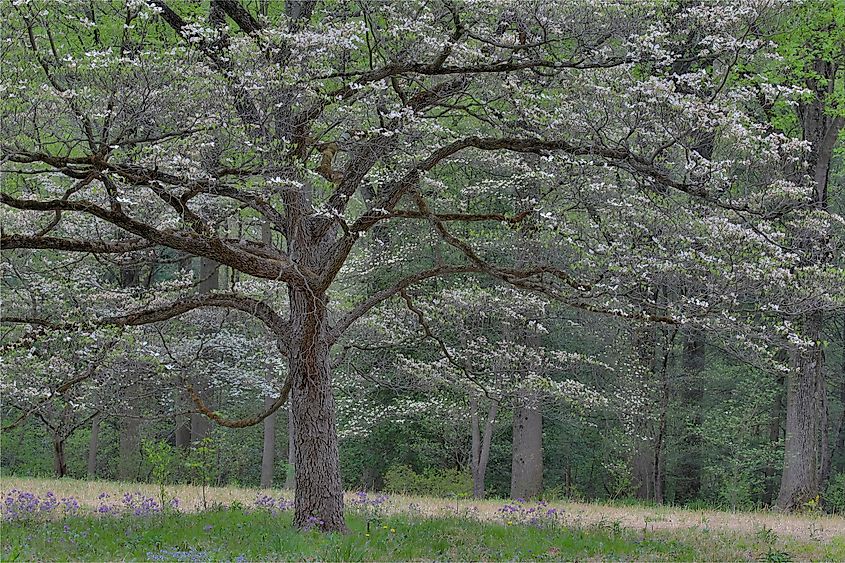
[774, 435]
[319, 492]
[183, 425]
[805, 423]
[527, 462]
[59, 461]
[269, 452]
[93, 445]
[806, 447]
[481, 446]
[290, 477]
[130, 447]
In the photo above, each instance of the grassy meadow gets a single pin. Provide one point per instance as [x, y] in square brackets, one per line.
[239, 524]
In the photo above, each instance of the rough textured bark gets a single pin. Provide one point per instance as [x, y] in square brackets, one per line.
[481, 446]
[268, 453]
[806, 446]
[93, 445]
[290, 476]
[805, 424]
[527, 462]
[319, 492]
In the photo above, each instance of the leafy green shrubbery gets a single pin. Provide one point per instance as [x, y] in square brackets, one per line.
[834, 495]
[431, 482]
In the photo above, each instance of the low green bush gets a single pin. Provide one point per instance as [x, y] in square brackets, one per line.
[436, 482]
[834, 495]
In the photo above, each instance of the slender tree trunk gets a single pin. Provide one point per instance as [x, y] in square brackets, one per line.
[130, 448]
[689, 486]
[183, 424]
[527, 461]
[774, 436]
[481, 446]
[269, 452]
[805, 423]
[660, 441]
[319, 492]
[59, 461]
[93, 445]
[644, 453]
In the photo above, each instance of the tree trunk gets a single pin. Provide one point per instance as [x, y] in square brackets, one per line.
[290, 473]
[319, 492]
[644, 450]
[805, 423]
[475, 449]
[806, 405]
[183, 424]
[59, 462]
[93, 445]
[689, 486]
[838, 431]
[774, 436]
[481, 446]
[130, 447]
[527, 462]
[209, 276]
[268, 453]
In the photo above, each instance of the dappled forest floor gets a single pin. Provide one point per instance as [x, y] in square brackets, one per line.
[687, 533]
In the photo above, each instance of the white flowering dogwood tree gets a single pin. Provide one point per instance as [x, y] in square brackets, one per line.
[553, 146]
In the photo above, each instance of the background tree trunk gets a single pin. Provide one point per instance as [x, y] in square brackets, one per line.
[481, 446]
[804, 448]
[268, 453]
[774, 435]
[806, 444]
[182, 434]
[130, 449]
[527, 461]
[59, 461]
[689, 485]
[93, 445]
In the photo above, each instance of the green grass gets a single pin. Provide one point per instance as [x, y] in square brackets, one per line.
[231, 533]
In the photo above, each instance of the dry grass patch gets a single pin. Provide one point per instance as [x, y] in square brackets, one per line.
[803, 527]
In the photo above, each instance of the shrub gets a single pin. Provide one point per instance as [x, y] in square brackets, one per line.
[431, 482]
[834, 495]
